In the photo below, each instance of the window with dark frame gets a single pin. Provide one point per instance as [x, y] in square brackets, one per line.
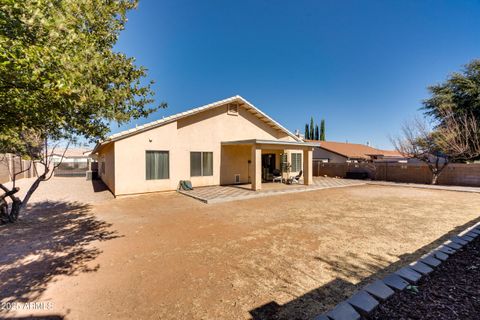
[296, 162]
[157, 165]
[201, 164]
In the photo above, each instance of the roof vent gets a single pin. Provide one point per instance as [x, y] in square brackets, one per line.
[233, 109]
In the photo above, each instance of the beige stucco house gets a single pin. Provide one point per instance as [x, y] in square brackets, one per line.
[222, 143]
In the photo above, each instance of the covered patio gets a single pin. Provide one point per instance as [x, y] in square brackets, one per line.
[256, 161]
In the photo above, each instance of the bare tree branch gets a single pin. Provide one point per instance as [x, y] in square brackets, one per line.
[458, 136]
[20, 172]
[60, 162]
[418, 142]
[455, 139]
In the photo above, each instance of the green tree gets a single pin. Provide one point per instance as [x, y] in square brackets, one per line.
[307, 131]
[312, 129]
[322, 130]
[458, 96]
[60, 77]
[317, 134]
[459, 93]
[454, 110]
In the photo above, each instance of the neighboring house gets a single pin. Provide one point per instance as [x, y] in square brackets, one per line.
[341, 152]
[222, 143]
[75, 161]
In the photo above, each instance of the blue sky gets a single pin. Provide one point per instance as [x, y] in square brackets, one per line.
[363, 66]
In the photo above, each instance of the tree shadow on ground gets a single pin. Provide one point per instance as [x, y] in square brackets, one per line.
[323, 298]
[50, 239]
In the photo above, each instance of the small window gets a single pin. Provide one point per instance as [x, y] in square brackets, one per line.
[233, 109]
[201, 164]
[296, 162]
[157, 165]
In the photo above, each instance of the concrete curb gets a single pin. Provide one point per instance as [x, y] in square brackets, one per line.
[365, 301]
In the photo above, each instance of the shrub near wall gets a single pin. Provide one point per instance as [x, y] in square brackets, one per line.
[454, 174]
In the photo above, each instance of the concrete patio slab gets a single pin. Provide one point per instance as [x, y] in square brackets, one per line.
[217, 194]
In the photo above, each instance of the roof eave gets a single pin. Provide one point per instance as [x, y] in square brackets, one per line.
[271, 142]
[173, 118]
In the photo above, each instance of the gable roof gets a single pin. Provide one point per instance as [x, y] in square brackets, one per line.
[165, 120]
[356, 150]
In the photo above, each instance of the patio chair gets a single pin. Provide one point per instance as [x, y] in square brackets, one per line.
[186, 185]
[296, 179]
[277, 175]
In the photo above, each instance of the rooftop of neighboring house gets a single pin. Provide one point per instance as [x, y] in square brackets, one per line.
[357, 151]
[72, 152]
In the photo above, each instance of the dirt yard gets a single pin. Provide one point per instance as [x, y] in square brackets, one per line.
[167, 256]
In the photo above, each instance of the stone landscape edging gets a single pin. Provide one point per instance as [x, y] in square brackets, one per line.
[365, 301]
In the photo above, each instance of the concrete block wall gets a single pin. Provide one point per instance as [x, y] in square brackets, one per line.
[15, 164]
[454, 174]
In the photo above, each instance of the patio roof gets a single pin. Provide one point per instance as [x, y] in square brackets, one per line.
[270, 142]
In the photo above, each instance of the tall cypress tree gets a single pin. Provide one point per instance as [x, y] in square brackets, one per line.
[307, 131]
[317, 135]
[322, 130]
[312, 128]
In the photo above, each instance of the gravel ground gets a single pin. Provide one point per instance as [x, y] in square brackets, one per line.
[65, 189]
[450, 292]
[168, 256]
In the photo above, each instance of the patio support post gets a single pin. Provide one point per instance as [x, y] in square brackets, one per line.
[308, 166]
[256, 167]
